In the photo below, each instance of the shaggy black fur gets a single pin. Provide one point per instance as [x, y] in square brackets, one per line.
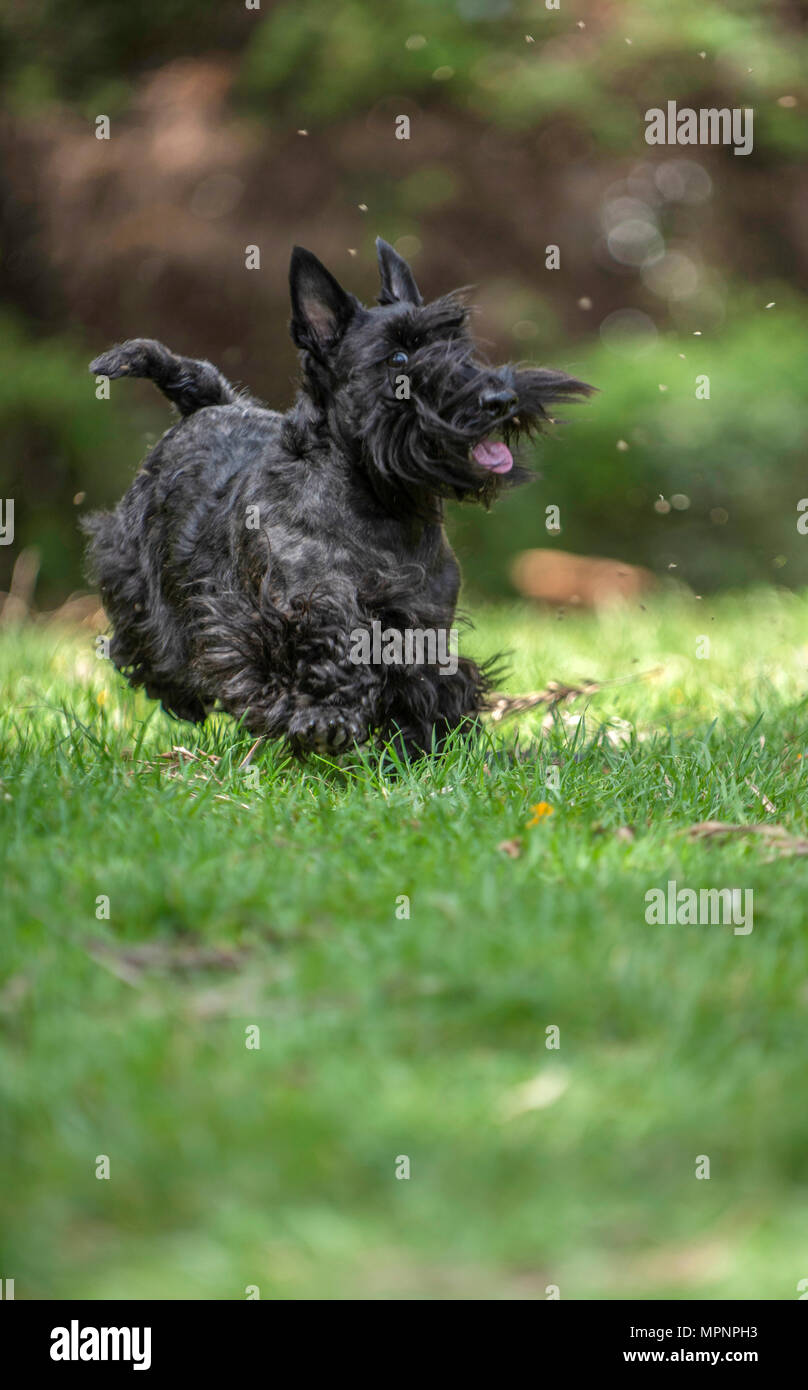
[252, 545]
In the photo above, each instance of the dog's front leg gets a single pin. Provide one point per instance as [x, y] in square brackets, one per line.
[323, 727]
[336, 692]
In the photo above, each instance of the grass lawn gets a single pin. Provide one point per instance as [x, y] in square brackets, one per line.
[237, 900]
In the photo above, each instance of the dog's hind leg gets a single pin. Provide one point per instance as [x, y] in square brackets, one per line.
[149, 646]
[189, 384]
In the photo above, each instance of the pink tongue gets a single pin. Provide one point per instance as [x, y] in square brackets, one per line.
[497, 457]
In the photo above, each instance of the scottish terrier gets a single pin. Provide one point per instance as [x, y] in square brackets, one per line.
[254, 548]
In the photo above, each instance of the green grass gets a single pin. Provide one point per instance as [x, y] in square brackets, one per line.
[383, 1036]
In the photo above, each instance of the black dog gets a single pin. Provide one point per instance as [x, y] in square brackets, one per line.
[254, 551]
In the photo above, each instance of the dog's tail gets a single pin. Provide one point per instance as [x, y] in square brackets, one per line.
[191, 385]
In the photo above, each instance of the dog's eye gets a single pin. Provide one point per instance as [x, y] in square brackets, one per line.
[398, 359]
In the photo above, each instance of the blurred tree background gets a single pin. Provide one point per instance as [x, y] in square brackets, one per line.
[235, 126]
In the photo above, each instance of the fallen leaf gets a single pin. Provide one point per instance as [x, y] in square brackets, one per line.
[130, 962]
[780, 841]
[708, 829]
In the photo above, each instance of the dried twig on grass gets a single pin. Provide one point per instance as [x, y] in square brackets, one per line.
[502, 707]
[178, 758]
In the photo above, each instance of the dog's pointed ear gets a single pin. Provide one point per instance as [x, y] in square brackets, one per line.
[321, 308]
[398, 281]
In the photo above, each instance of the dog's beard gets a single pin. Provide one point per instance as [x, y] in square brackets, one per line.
[432, 459]
[447, 449]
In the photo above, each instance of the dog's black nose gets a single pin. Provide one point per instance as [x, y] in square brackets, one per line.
[497, 400]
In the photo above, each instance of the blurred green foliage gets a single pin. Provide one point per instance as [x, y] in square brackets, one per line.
[488, 56]
[735, 463]
[565, 96]
[83, 50]
[492, 57]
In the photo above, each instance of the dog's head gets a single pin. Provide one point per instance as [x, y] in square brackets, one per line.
[403, 386]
